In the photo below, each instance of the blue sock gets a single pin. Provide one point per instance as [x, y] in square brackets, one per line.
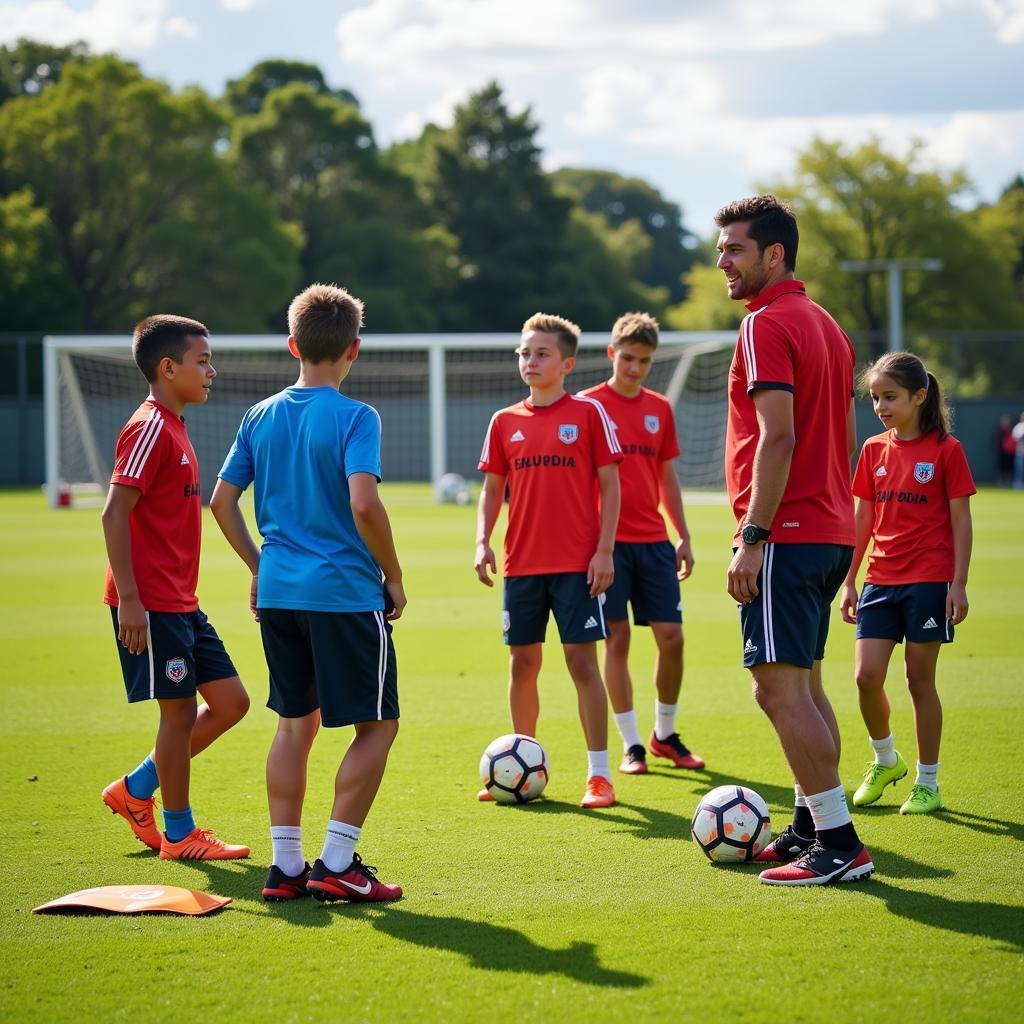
[143, 782]
[178, 824]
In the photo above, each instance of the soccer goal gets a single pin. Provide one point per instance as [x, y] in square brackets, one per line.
[435, 395]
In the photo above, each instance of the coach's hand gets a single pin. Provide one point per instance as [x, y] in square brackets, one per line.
[743, 570]
[600, 572]
[684, 558]
[485, 559]
[396, 591]
[132, 627]
[956, 604]
[848, 602]
[253, 588]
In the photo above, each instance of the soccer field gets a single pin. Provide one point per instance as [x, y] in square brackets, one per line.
[540, 913]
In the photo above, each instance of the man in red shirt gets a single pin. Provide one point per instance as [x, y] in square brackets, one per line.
[647, 566]
[555, 452]
[167, 647]
[788, 447]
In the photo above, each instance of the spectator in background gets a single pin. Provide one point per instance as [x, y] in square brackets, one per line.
[1005, 449]
[1018, 455]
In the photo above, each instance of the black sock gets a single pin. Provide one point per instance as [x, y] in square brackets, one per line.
[803, 823]
[842, 838]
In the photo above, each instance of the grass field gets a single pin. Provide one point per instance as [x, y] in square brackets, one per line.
[542, 913]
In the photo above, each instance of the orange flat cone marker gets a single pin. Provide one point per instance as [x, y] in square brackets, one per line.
[137, 899]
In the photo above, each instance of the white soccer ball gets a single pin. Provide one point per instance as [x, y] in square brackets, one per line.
[731, 824]
[453, 489]
[514, 769]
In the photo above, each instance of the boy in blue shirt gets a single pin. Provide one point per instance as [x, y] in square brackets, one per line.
[313, 456]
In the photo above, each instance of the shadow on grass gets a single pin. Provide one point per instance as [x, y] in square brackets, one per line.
[494, 947]
[651, 823]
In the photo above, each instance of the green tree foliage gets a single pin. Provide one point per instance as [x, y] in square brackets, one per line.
[707, 306]
[314, 156]
[245, 95]
[144, 214]
[1002, 222]
[624, 200]
[28, 67]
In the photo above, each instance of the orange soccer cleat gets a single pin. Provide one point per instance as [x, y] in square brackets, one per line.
[201, 844]
[138, 813]
[673, 748]
[599, 793]
[484, 796]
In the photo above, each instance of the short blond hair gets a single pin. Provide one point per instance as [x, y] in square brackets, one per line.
[641, 327]
[566, 332]
[324, 320]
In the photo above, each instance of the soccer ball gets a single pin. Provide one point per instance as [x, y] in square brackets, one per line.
[514, 769]
[452, 489]
[731, 824]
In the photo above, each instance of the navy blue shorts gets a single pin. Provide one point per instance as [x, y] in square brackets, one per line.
[340, 662]
[530, 599]
[183, 652]
[788, 620]
[645, 577]
[916, 611]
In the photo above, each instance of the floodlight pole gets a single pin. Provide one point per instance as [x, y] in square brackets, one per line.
[894, 269]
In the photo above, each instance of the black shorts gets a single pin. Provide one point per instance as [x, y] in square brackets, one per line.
[645, 577]
[788, 620]
[916, 611]
[530, 599]
[340, 662]
[182, 652]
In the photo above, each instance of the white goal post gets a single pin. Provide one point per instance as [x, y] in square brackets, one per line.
[435, 394]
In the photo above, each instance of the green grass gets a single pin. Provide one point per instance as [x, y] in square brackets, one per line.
[541, 913]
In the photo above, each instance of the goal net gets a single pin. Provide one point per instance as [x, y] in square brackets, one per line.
[435, 395]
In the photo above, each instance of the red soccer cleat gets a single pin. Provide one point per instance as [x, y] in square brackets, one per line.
[785, 847]
[358, 882]
[821, 865]
[484, 796]
[675, 750]
[138, 813]
[599, 792]
[635, 761]
[280, 887]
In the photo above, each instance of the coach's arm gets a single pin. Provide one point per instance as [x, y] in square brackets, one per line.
[225, 509]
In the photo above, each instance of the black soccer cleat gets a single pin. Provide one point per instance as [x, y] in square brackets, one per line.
[821, 865]
[280, 887]
[634, 761]
[785, 847]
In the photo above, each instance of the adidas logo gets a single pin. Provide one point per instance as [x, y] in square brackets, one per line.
[517, 436]
[184, 459]
[880, 471]
[930, 624]
[591, 623]
[750, 646]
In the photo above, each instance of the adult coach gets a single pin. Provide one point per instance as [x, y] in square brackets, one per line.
[788, 448]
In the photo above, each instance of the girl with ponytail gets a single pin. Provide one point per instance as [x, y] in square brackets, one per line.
[913, 487]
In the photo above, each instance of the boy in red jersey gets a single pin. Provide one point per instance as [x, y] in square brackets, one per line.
[913, 486]
[789, 442]
[152, 522]
[647, 567]
[555, 451]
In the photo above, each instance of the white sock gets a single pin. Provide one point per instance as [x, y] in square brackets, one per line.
[339, 845]
[287, 843]
[885, 751]
[597, 764]
[665, 719]
[928, 775]
[799, 796]
[828, 809]
[626, 724]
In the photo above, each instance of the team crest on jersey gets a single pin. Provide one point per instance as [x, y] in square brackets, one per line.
[568, 433]
[652, 424]
[924, 471]
[176, 669]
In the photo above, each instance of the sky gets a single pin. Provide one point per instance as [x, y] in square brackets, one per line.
[703, 98]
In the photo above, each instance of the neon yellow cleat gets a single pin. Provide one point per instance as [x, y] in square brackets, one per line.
[876, 778]
[922, 800]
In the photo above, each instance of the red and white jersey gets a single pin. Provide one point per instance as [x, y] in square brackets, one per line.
[791, 343]
[646, 430]
[550, 456]
[911, 484]
[155, 456]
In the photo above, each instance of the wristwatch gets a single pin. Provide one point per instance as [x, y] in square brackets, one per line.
[753, 534]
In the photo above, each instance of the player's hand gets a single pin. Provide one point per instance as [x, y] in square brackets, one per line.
[132, 627]
[600, 573]
[684, 559]
[253, 588]
[485, 559]
[956, 604]
[743, 570]
[396, 591]
[848, 602]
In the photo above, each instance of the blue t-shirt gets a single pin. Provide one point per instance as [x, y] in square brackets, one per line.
[299, 447]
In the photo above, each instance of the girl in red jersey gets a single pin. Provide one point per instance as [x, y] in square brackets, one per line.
[913, 487]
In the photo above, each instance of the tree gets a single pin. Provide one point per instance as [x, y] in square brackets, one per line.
[707, 306]
[247, 94]
[623, 200]
[144, 213]
[1004, 220]
[28, 67]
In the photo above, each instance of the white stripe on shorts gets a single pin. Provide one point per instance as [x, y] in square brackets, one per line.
[149, 651]
[382, 660]
[766, 602]
[948, 623]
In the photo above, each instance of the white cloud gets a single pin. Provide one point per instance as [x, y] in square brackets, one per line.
[239, 5]
[183, 28]
[130, 25]
[1008, 17]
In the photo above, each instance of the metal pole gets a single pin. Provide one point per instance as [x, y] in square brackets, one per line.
[895, 307]
[438, 426]
[51, 415]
